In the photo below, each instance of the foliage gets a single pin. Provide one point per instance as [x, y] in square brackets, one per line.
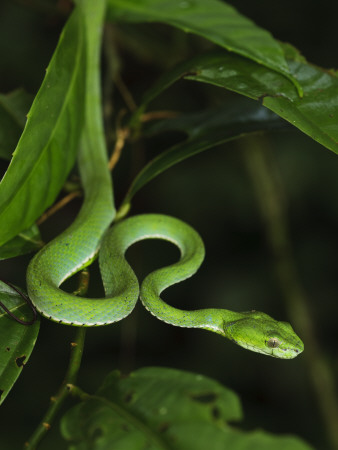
[152, 407]
[125, 413]
[17, 341]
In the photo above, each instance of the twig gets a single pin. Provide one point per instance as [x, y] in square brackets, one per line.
[71, 375]
[112, 66]
[122, 133]
[156, 115]
[125, 93]
[121, 137]
[267, 193]
[63, 202]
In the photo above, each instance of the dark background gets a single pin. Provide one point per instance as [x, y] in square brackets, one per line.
[214, 193]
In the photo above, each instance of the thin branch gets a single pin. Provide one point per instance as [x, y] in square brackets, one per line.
[125, 93]
[156, 115]
[268, 197]
[121, 137]
[122, 133]
[58, 400]
[63, 202]
[112, 66]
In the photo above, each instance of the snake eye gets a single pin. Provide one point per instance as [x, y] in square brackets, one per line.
[273, 343]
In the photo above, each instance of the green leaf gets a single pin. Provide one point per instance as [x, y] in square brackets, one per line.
[205, 130]
[13, 109]
[214, 20]
[25, 242]
[315, 114]
[47, 149]
[16, 341]
[161, 408]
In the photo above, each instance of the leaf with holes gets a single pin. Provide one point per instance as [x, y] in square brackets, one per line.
[16, 340]
[160, 408]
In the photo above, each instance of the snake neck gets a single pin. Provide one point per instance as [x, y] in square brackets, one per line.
[217, 320]
[212, 319]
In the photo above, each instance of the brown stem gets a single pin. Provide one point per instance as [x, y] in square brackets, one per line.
[114, 67]
[60, 204]
[125, 93]
[71, 375]
[156, 115]
[121, 136]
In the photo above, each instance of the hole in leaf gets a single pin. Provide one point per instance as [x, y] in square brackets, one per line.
[129, 396]
[216, 413]
[207, 397]
[8, 349]
[190, 74]
[163, 427]
[1, 392]
[20, 361]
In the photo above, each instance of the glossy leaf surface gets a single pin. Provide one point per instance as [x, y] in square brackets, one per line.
[315, 114]
[214, 20]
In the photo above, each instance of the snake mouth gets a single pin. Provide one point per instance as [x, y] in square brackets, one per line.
[280, 353]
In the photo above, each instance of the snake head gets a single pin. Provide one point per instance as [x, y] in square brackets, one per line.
[260, 333]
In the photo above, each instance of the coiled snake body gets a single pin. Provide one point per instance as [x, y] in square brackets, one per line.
[78, 245]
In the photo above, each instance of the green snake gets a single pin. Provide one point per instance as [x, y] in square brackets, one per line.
[90, 234]
[58, 260]
[79, 244]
